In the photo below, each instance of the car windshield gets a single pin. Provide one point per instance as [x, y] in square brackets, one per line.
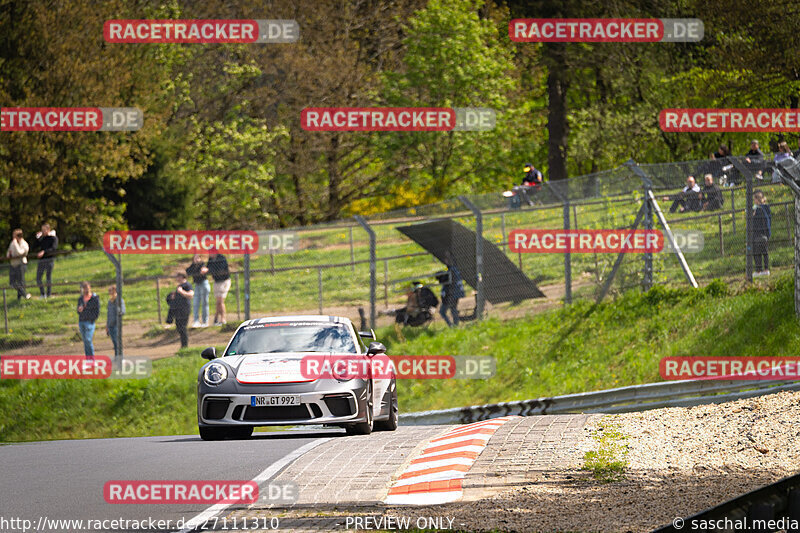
[274, 337]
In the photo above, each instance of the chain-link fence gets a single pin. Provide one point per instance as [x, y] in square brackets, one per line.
[743, 212]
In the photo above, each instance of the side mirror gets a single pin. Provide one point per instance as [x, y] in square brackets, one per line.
[209, 353]
[367, 334]
[375, 348]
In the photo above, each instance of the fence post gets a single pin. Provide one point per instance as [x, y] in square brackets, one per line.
[319, 288]
[733, 211]
[479, 296]
[386, 282]
[352, 252]
[748, 215]
[118, 268]
[503, 226]
[796, 252]
[5, 311]
[247, 286]
[158, 299]
[271, 263]
[236, 288]
[648, 225]
[564, 199]
[362, 221]
[749, 228]
[789, 182]
[567, 256]
[721, 239]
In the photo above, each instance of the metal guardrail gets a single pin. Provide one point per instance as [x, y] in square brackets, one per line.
[772, 508]
[620, 400]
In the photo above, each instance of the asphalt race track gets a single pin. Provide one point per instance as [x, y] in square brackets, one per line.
[65, 479]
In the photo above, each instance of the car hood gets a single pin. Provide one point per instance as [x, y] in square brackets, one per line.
[270, 367]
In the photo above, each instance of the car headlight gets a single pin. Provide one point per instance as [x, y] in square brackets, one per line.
[215, 373]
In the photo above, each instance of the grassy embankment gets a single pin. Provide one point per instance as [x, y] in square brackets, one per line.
[282, 292]
[574, 349]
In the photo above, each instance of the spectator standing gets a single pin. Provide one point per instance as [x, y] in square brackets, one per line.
[180, 306]
[712, 195]
[202, 288]
[452, 291]
[112, 322]
[754, 155]
[689, 199]
[783, 152]
[48, 244]
[18, 256]
[88, 311]
[218, 268]
[762, 231]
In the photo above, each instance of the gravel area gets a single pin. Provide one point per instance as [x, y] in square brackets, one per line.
[681, 461]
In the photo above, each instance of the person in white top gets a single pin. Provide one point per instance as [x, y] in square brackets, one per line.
[689, 199]
[18, 255]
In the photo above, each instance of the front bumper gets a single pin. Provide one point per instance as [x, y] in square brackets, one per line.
[339, 405]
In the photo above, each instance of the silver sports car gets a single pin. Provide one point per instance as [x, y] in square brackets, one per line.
[262, 379]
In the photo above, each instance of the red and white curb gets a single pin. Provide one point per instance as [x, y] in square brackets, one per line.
[435, 476]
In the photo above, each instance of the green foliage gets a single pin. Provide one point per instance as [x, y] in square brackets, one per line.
[54, 55]
[585, 347]
[231, 166]
[578, 348]
[162, 404]
[222, 145]
[455, 59]
[609, 461]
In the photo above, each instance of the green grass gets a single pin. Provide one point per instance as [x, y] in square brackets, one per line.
[608, 462]
[573, 349]
[347, 286]
[585, 347]
[162, 404]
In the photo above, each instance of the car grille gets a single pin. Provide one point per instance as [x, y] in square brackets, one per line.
[339, 405]
[293, 412]
[216, 409]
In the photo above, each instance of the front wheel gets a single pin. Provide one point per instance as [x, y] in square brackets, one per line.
[211, 433]
[363, 428]
[390, 424]
[219, 433]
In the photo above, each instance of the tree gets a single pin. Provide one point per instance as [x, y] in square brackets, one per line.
[453, 58]
[52, 54]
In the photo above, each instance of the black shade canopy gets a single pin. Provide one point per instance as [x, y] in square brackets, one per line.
[502, 280]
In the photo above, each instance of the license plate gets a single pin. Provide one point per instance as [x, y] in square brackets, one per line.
[270, 401]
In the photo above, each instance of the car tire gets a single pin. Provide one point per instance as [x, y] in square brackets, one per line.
[211, 433]
[240, 432]
[391, 423]
[219, 433]
[363, 428]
